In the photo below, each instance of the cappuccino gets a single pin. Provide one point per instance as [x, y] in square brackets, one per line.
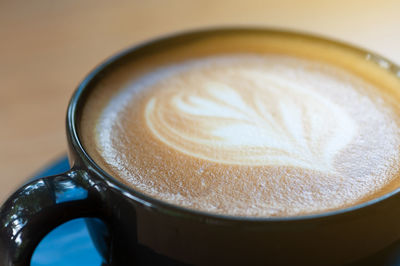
[249, 124]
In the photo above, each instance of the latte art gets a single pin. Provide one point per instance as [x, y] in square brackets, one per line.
[247, 115]
[248, 134]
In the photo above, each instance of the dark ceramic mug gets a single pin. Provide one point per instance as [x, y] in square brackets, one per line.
[141, 229]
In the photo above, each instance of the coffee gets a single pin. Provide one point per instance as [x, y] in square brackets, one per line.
[249, 125]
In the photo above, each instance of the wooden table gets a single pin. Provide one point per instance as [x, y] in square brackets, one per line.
[47, 47]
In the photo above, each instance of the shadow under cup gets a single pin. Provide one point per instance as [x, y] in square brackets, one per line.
[146, 230]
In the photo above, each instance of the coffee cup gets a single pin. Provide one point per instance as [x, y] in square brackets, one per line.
[226, 146]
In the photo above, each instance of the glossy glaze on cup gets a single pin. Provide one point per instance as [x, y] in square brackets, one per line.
[196, 237]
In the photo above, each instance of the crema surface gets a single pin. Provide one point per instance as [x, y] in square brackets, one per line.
[248, 133]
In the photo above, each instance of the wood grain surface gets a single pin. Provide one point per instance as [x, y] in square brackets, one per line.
[47, 47]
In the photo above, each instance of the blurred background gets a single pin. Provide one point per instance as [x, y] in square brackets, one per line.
[47, 47]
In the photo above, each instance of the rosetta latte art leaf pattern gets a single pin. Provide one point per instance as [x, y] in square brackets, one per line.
[256, 135]
[248, 116]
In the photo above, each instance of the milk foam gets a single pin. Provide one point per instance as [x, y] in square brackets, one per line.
[253, 135]
[263, 119]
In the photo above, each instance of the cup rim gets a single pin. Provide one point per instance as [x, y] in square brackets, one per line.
[77, 99]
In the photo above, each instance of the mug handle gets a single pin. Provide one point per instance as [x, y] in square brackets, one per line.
[41, 205]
